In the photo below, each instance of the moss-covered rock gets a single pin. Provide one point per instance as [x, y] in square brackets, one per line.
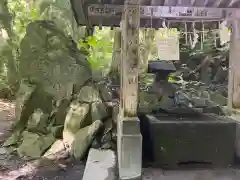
[33, 145]
[98, 111]
[76, 119]
[88, 94]
[23, 95]
[38, 121]
[50, 58]
[83, 139]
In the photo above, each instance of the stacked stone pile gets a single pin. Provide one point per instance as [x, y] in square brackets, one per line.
[60, 109]
[200, 96]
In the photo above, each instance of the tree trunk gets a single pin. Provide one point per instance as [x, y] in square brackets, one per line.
[146, 47]
[116, 58]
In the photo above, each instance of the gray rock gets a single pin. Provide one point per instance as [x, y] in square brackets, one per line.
[55, 150]
[83, 139]
[76, 119]
[105, 92]
[61, 112]
[218, 98]
[50, 58]
[13, 139]
[98, 111]
[57, 131]
[38, 121]
[22, 95]
[33, 145]
[88, 94]
[199, 102]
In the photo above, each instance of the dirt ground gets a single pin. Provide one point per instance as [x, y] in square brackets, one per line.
[12, 168]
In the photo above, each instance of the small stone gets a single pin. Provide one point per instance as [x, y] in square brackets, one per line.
[88, 94]
[38, 121]
[55, 150]
[13, 139]
[199, 102]
[219, 99]
[98, 111]
[3, 151]
[105, 93]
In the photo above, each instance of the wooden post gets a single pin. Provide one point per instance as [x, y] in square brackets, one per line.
[234, 65]
[130, 57]
[129, 137]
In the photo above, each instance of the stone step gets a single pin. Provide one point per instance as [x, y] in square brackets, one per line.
[101, 165]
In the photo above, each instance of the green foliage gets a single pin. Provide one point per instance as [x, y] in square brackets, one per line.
[15, 15]
[99, 47]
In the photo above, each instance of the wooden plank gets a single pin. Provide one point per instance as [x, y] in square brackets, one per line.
[108, 10]
[130, 58]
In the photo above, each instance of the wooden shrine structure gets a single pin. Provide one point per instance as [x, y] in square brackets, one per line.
[130, 15]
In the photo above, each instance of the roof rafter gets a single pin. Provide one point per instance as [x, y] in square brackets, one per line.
[205, 3]
[193, 2]
[165, 3]
[232, 3]
[217, 3]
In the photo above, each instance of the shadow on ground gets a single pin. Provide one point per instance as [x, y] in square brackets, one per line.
[42, 170]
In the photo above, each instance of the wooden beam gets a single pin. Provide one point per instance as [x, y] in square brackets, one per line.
[234, 65]
[166, 3]
[217, 3]
[110, 11]
[130, 57]
[193, 2]
[205, 3]
[232, 2]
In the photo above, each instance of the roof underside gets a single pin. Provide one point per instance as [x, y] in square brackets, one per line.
[153, 12]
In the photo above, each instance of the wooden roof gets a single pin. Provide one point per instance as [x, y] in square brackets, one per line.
[153, 12]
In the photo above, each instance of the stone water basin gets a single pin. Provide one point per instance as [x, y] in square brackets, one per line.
[172, 141]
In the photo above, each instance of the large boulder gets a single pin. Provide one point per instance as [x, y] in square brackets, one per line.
[61, 13]
[51, 59]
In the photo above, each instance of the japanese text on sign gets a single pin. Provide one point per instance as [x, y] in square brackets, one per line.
[158, 11]
[168, 44]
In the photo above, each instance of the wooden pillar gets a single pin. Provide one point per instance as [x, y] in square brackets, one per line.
[129, 136]
[234, 66]
[130, 57]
